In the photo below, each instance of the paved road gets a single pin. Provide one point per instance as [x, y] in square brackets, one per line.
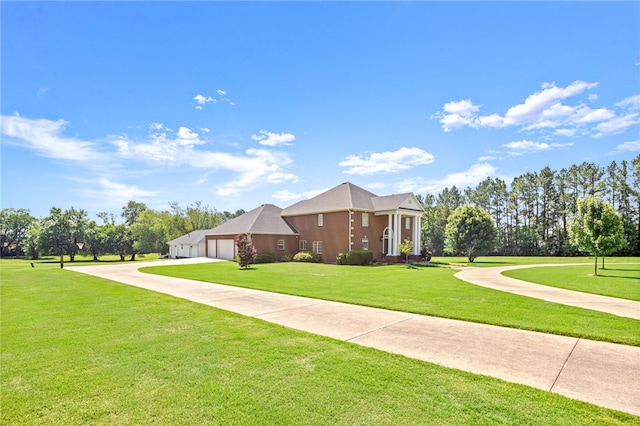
[493, 278]
[602, 373]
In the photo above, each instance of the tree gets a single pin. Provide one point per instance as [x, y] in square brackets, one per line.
[470, 230]
[597, 228]
[62, 229]
[14, 225]
[406, 247]
[246, 251]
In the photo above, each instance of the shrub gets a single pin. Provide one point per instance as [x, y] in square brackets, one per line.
[355, 257]
[306, 256]
[265, 258]
[286, 258]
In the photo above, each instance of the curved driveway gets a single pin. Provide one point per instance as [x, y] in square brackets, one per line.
[601, 373]
[493, 278]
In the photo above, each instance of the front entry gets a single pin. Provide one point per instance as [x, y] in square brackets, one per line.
[385, 242]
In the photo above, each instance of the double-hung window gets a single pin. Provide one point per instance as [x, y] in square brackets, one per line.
[302, 245]
[320, 219]
[280, 244]
[365, 220]
[317, 247]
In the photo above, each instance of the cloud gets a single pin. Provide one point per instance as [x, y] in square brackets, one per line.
[471, 177]
[386, 162]
[630, 146]
[115, 190]
[45, 138]
[286, 195]
[617, 125]
[526, 147]
[202, 100]
[273, 139]
[545, 109]
[632, 103]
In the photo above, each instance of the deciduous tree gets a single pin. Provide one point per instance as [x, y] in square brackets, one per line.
[596, 228]
[471, 231]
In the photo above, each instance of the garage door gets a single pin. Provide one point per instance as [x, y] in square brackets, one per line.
[211, 248]
[226, 249]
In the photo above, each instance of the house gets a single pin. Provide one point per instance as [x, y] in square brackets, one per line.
[341, 219]
[189, 245]
[268, 230]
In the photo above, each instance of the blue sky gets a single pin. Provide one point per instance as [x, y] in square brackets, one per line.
[240, 104]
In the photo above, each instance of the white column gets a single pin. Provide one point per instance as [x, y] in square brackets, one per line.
[390, 236]
[398, 234]
[416, 235]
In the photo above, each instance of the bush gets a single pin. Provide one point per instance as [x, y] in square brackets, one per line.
[355, 257]
[265, 258]
[286, 258]
[306, 256]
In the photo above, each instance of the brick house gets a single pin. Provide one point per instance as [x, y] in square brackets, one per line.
[341, 219]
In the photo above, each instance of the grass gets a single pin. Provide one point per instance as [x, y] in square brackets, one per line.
[617, 280]
[428, 291]
[78, 349]
[490, 261]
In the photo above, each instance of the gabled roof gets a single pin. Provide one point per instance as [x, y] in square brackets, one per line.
[194, 237]
[342, 197]
[397, 202]
[265, 219]
[348, 196]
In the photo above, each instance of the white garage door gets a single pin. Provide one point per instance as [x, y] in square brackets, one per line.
[226, 249]
[211, 249]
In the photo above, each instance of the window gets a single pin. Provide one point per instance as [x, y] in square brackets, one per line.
[302, 245]
[365, 220]
[280, 244]
[320, 219]
[407, 223]
[317, 247]
[365, 243]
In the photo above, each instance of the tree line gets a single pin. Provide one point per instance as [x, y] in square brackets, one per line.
[139, 229]
[532, 215]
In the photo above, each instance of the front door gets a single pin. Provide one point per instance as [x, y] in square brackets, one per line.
[385, 241]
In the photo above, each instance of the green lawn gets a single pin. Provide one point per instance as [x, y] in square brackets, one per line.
[78, 350]
[428, 291]
[617, 280]
[490, 261]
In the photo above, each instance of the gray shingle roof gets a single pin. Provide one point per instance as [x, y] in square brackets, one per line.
[342, 197]
[349, 196]
[265, 219]
[194, 237]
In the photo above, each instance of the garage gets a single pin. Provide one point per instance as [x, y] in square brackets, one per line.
[221, 249]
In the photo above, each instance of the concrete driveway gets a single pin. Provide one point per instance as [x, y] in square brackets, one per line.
[601, 373]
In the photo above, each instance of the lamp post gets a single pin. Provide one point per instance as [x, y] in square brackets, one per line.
[61, 245]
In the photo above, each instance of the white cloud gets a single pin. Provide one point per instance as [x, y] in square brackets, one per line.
[273, 139]
[486, 158]
[221, 92]
[115, 194]
[386, 162]
[544, 109]
[629, 146]
[202, 100]
[286, 195]
[631, 103]
[526, 147]
[617, 125]
[535, 104]
[472, 177]
[45, 138]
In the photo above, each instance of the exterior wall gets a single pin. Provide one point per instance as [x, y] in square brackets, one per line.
[265, 243]
[187, 250]
[334, 233]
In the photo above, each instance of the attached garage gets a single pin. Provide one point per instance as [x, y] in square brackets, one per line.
[221, 249]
